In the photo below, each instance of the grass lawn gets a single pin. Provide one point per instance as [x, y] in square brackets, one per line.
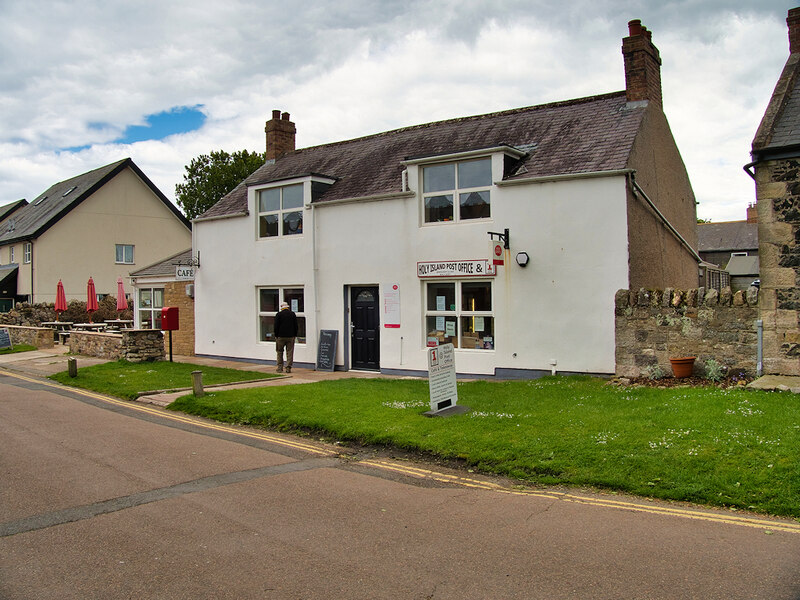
[128, 380]
[17, 348]
[730, 447]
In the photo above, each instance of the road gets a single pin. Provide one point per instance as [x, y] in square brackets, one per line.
[102, 498]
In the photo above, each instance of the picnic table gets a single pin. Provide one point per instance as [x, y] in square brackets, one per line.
[120, 323]
[60, 329]
[90, 326]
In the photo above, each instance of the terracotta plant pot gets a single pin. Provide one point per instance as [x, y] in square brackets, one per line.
[682, 367]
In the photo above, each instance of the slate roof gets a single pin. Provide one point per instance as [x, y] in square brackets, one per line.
[9, 209]
[729, 236]
[576, 136]
[45, 211]
[779, 130]
[164, 267]
[739, 266]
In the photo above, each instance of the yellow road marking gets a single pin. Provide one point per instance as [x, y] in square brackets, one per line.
[177, 417]
[422, 473]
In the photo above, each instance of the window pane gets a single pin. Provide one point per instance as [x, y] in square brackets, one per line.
[268, 225]
[438, 178]
[145, 319]
[156, 319]
[475, 173]
[145, 299]
[269, 200]
[158, 298]
[129, 254]
[301, 330]
[294, 296]
[474, 205]
[120, 253]
[267, 326]
[439, 208]
[292, 223]
[442, 296]
[477, 333]
[476, 296]
[293, 196]
[268, 300]
[443, 329]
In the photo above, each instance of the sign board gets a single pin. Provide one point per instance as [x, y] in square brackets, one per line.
[184, 273]
[5, 338]
[455, 268]
[326, 349]
[391, 306]
[496, 252]
[442, 377]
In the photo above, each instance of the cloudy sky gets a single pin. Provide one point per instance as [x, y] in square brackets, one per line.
[85, 83]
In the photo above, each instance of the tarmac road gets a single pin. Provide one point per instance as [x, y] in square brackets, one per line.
[108, 499]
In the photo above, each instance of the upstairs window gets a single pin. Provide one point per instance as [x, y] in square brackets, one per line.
[463, 184]
[280, 211]
[26, 254]
[124, 254]
[11, 254]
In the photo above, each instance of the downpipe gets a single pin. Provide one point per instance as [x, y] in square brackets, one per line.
[760, 348]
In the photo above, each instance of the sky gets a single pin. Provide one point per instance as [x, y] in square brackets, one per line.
[86, 83]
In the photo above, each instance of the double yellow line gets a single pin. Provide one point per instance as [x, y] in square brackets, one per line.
[421, 473]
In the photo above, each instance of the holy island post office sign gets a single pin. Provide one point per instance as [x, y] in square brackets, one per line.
[454, 268]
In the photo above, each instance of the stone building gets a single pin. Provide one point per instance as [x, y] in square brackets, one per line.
[776, 170]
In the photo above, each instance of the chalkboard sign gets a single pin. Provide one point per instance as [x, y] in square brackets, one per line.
[5, 338]
[326, 351]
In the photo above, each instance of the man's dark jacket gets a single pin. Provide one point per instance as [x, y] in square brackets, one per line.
[285, 324]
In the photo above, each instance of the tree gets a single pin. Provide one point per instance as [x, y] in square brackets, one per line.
[210, 176]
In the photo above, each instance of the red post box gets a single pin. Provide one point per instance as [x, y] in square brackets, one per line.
[169, 318]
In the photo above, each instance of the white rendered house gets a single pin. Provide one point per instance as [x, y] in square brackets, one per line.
[388, 239]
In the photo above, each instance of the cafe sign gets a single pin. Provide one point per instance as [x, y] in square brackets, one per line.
[184, 273]
[455, 268]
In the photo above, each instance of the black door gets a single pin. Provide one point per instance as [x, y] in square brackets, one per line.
[365, 327]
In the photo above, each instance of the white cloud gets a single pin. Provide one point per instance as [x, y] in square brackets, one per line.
[345, 69]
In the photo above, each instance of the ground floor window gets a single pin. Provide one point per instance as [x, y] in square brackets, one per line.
[460, 313]
[151, 301]
[269, 303]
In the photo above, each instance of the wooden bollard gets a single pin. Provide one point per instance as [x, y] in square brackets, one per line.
[197, 383]
[72, 366]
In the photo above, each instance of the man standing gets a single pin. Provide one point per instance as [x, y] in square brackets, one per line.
[285, 332]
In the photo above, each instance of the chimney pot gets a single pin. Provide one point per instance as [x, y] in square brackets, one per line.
[285, 116]
[276, 114]
[635, 27]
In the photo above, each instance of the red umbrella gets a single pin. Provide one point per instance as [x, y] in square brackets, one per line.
[122, 303]
[91, 298]
[61, 299]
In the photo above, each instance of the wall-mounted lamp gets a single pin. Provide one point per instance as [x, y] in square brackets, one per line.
[523, 259]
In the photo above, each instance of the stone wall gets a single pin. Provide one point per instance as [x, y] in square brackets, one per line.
[183, 338]
[134, 345]
[41, 337]
[778, 193]
[100, 344]
[653, 326]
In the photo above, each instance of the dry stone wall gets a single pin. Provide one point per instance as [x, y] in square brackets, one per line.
[41, 337]
[135, 345]
[653, 326]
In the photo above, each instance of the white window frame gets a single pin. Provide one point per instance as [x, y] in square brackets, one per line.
[456, 192]
[458, 313]
[150, 309]
[281, 211]
[11, 254]
[301, 314]
[27, 253]
[124, 247]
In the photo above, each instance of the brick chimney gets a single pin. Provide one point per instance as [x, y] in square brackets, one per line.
[752, 213]
[280, 135]
[793, 21]
[642, 65]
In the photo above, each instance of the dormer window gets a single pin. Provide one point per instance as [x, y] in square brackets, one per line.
[280, 211]
[464, 183]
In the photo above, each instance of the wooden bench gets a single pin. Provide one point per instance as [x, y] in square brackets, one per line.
[63, 337]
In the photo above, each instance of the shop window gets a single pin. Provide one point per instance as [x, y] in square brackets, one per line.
[460, 313]
[457, 191]
[124, 254]
[280, 211]
[269, 303]
[148, 308]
